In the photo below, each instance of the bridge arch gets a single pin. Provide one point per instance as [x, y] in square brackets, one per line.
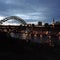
[13, 17]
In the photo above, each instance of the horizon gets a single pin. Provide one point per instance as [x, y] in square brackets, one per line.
[16, 22]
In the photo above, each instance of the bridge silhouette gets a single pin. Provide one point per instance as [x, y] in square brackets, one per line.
[8, 28]
[13, 17]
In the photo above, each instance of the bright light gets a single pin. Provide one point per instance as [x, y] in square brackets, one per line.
[1, 17]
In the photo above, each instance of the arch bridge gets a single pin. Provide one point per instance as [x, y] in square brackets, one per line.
[7, 28]
[13, 17]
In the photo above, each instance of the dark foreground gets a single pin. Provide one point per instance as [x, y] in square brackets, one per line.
[16, 49]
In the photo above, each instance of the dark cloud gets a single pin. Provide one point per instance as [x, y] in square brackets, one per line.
[31, 10]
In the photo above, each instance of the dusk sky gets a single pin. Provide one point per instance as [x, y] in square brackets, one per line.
[31, 10]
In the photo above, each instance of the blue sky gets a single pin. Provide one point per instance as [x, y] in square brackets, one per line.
[31, 10]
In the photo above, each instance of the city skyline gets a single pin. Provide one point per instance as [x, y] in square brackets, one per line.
[31, 11]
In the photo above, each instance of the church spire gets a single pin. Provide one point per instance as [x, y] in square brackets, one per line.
[53, 22]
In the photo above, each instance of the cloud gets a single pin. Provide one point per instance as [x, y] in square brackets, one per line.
[1, 17]
[36, 10]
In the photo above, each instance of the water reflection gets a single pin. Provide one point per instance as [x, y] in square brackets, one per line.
[51, 39]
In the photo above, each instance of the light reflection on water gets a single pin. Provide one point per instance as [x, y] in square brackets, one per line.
[38, 39]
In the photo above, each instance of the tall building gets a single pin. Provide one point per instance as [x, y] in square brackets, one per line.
[39, 23]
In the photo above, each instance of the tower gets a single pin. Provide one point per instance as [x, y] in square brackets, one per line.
[53, 22]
